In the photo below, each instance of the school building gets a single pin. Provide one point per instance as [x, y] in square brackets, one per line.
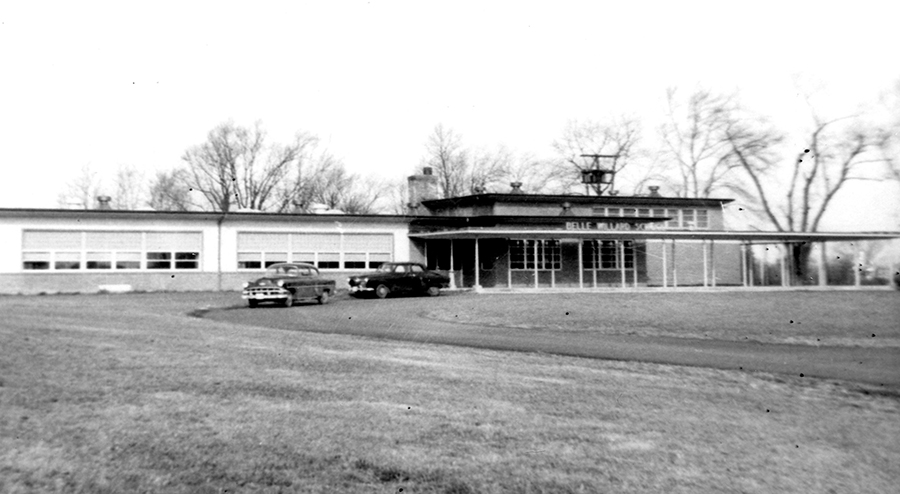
[490, 241]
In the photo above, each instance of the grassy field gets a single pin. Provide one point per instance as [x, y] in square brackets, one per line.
[853, 318]
[126, 394]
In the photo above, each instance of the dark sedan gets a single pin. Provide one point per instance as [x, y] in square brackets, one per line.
[285, 283]
[399, 277]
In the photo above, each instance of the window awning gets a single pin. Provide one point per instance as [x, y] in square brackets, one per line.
[733, 236]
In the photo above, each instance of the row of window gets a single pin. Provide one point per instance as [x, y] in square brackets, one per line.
[546, 255]
[258, 250]
[322, 260]
[535, 254]
[68, 260]
[110, 250]
[680, 218]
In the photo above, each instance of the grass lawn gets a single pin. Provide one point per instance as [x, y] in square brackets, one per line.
[123, 393]
[857, 318]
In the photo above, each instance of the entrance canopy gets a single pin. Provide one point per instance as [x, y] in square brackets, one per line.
[639, 234]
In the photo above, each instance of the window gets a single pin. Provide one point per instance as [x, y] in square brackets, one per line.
[275, 258]
[67, 260]
[249, 260]
[675, 218]
[159, 260]
[702, 218]
[36, 260]
[659, 213]
[687, 219]
[523, 256]
[629, 212]
[187, 260]
[128, 260]
[354, 261]
[644, 213]
[329, 260]
[598, 211]
[605, 254]
[415, 268]
[376, 260]
[99, 260]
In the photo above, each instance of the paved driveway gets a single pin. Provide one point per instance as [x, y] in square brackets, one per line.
[402, 319]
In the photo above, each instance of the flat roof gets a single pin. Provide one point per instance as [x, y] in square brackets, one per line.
[479, 199]
[198, 215]
[743, 236]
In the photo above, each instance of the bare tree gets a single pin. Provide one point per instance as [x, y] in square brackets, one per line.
[446, 156]
[619, 137]
[129, 188]
[536, 176]
[888, 139]
[235, 168]
[486, 170]
[833, 157]
[462, 170]
[81, 191]
[168, 191]
[696, 143]
[331, 185]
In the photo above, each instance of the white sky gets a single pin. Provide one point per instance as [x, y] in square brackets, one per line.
[118, 83]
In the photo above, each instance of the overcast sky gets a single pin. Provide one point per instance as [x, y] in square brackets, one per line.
[116, 83]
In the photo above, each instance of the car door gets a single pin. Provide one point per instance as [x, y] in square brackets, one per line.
[400, 278]
[306, 283]
[416, 278]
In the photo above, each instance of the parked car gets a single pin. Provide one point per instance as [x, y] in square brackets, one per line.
[399, 277]
[286, 283]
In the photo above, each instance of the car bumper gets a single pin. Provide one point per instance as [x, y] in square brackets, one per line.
[359, 289]
[273, 293]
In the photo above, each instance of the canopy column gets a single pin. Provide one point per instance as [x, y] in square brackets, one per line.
[580, 264]
[823, 272]
[705, 264]
[674, 267]
[783, 253]
[477, 265]
[452, 272]
[744, 271]
[622, 260]
[665, 267]
[712, 261]
[508, 265]
[857, 269]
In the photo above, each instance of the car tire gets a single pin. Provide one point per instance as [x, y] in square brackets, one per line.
[382, 291]
[252, 304]
[323, 299]
[433, 291]
[289, 301]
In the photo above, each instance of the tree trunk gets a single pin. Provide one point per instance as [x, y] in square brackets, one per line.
[800, 256]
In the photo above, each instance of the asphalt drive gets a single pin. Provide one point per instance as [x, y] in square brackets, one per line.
[401, 319]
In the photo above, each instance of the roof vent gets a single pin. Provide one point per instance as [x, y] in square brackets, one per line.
[654, 191]
[103, 202]
[427, 171]
[516, 187]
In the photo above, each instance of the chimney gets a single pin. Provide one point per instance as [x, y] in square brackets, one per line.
[422, 188]
[516, 187]
[654, 191]
[103, 202]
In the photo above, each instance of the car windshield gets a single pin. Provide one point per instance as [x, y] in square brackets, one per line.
[279, 271]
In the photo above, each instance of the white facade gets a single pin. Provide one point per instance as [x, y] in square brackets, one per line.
[88, 251]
